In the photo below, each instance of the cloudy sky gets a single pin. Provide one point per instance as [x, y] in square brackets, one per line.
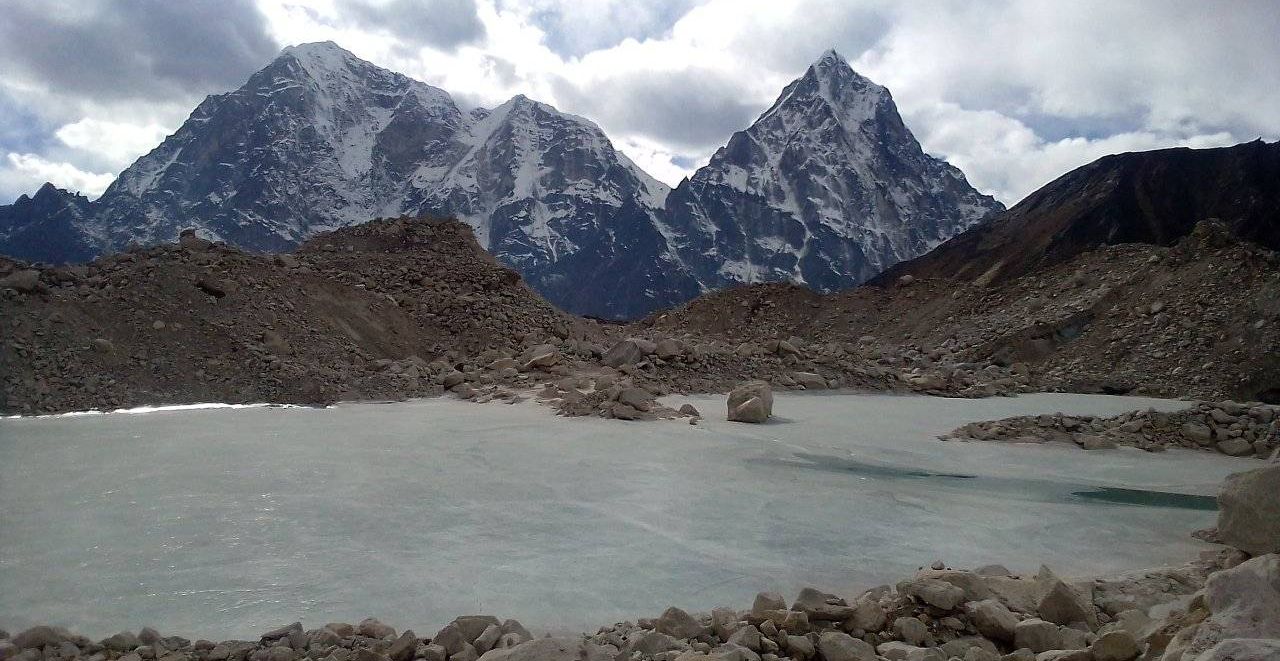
[1012, 92]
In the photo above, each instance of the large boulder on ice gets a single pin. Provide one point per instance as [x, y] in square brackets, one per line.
[751, 402]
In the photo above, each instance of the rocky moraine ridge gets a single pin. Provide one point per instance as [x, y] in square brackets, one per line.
[404, 308]
[1224, 606]
[1232, 428]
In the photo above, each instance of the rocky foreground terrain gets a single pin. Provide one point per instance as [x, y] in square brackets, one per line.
[1197, 319]
[405, 308]
[386, 310]
[1223, 606]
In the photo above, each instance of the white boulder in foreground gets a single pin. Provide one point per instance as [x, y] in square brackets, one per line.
[1249, 510]
[549, 649]
[1241, 604]
[751, 402]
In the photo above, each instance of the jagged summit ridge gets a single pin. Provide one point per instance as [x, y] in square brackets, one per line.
[826, 188]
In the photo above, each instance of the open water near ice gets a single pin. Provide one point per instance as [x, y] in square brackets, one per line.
[225, 522]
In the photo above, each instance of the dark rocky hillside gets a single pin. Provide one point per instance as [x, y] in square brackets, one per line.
[1153, 197]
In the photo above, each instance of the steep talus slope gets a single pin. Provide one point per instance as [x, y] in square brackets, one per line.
[198, 322]
[826, 188]
[1199, 319]
[1153, 197]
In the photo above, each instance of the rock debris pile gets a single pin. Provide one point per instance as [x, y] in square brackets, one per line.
[1238, 429]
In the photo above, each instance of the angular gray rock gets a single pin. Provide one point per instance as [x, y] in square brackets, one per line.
[820, 605]
[372, 628]
[1249, 510]
[1242, 602]
[625, 352]
[911, 630]
[993, 620]
[1037, 635]
[26, 281]
[868, 615]
[650, 643]
[514, 628]
[936, 593]
[488, 638]
[768, 601]
[124, 641]
[38, 637]
[1115, 646]
[809, 380]
[472, 626]
[800, 647]
[678, 624]
[1243, 649]
[838, 646]
[750, 402]
[899, 651]
[467, 653]
[404, 647]
[1062, 604]
[451, 638]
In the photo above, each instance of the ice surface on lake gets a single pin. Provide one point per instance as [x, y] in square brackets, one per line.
[228, 522]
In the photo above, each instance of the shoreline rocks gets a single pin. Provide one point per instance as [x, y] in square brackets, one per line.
[1222, 604]
[1249, 429]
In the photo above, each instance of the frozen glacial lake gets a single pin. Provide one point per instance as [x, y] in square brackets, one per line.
[226, 522]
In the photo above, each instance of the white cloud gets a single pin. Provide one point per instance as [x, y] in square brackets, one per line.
[1001, 156]
[30, 171]
[1014, 93]
[117, 142]
[656, 159]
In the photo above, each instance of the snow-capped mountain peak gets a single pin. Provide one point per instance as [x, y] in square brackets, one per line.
[826, 188]
[850, 98]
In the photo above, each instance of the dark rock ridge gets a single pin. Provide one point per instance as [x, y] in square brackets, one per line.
[827, 188]
[47, 225]
[1153, 197]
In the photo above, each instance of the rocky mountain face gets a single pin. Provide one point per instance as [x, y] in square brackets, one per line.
[826, 188]
[1154, 197]
[47, 226]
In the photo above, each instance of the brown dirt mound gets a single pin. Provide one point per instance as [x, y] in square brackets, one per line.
[201, 322]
